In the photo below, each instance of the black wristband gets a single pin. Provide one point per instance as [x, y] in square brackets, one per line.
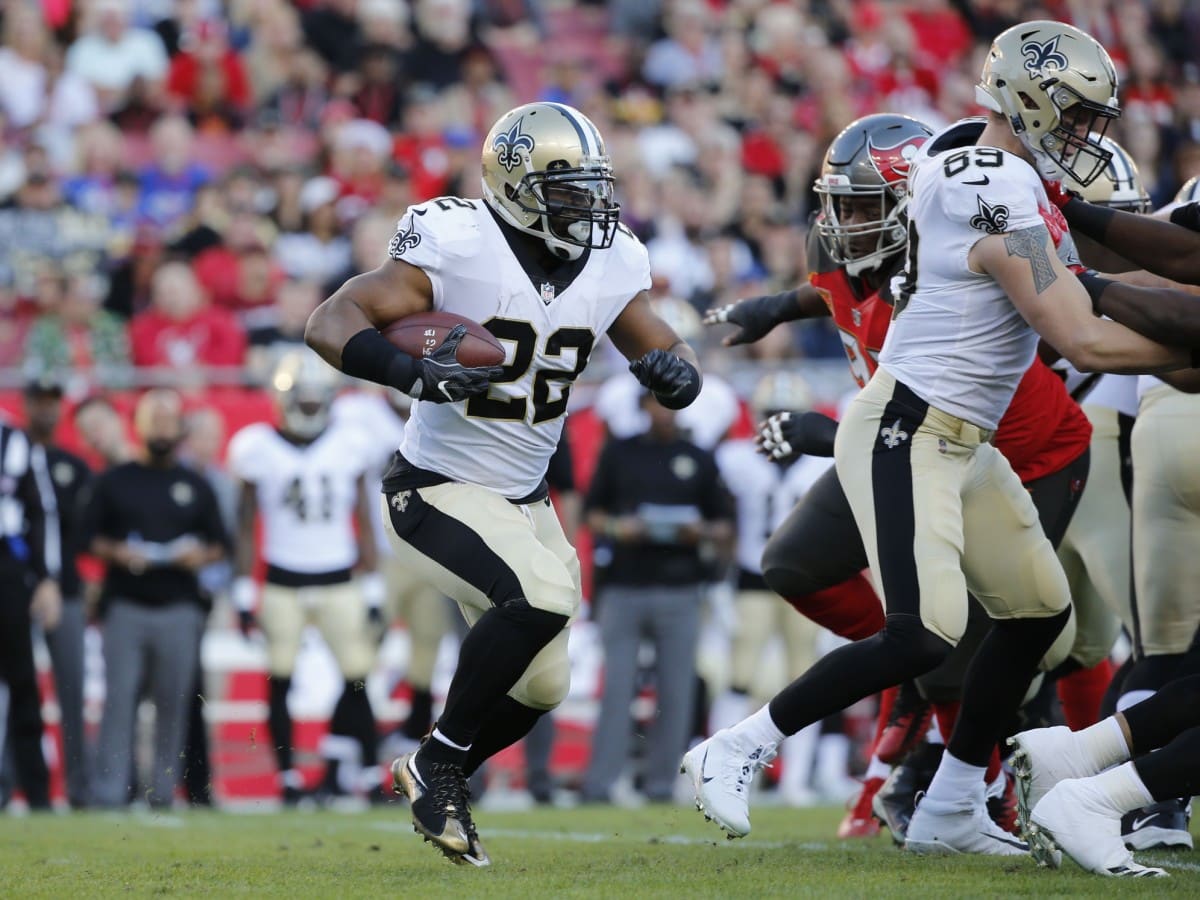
[1094, 285]
[1187, 215]
[684, 397]
[372, 357]
[1088, 219]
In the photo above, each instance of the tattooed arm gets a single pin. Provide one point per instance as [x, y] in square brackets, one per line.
[1058, 308]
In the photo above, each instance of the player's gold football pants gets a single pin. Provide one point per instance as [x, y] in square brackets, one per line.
[942, 513]
[477, 548]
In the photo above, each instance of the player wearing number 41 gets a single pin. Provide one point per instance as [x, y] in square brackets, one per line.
[940, 510]
[306, 480]
[544, 264]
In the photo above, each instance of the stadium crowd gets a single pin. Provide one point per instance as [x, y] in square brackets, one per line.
[181, 184]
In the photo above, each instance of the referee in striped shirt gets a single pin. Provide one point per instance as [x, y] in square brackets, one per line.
[30, 559]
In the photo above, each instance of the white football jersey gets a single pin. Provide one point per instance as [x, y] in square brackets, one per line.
[956, 339]
[306, 494]
[503, 440]
[765, 492]
[371, 413]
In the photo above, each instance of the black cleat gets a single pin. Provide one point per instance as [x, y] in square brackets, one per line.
[895, 802]
[1160, 826]
[440, 801]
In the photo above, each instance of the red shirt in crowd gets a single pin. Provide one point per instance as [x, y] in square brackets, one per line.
[211, 337]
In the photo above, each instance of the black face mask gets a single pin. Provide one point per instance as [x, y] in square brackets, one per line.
[160, 449]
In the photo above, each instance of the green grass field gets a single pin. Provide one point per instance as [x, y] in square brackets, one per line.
[588, 852]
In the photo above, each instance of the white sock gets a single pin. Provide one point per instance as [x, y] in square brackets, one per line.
[1103, 744]
[438, 736]
[760, 728]
[877, 768]
[956, 780]
[1123, 788]
[1132, 698]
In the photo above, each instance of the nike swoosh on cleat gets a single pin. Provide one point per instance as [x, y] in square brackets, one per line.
[1012, 843]
[1138, 823]
[703, 763]
[983, 179]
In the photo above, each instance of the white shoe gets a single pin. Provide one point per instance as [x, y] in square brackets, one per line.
[962, 826]
[1042, 757]
[721, 770]
[1076, 818]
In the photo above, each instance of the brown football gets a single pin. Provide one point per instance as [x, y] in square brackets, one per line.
[419, 335]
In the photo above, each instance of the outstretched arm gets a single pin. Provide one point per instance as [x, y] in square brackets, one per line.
[757, 316]
[1162, 314]
[1164, 248]
[1057, 306]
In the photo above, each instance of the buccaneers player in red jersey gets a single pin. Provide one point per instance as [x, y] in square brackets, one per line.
[815, 559]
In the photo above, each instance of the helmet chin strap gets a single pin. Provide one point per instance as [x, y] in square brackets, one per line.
[867, 264]
[565, 249]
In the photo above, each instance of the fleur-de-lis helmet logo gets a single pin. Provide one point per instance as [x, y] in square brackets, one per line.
[1042, 56]
[510, 144]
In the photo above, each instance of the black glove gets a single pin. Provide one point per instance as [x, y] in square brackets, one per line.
[756, 316]
[246, 622]
[674, 381]
[787, 435]
[443, 379]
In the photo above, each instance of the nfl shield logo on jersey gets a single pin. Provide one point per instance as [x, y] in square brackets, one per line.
[547, 292]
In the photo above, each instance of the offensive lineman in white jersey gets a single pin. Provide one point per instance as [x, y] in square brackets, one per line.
[306, 480]
[940, 510]
[544, 264]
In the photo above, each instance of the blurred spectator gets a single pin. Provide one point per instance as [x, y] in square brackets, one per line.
[73, 333]
[100, 156]
[300, 98]
[360, 156]
[442, 40]
[33, 88]
[380, 96]
[155, 524]
[169, 184]
[331, 28]
[690, 53]
[318, 251]
[70, 478]
[207, 78]
[112, 56]
[181, 330]
[102, 430]
[294, 304]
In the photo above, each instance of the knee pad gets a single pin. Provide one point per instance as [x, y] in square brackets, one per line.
[906, 636]
[544, 684]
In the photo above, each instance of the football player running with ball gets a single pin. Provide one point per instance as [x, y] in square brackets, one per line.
[544, 263]
[940, 509]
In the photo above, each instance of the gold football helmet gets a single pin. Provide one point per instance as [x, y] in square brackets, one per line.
[546, 172]
[1120, 185]
[304, 386]
[782, 392]
[1058, 89]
